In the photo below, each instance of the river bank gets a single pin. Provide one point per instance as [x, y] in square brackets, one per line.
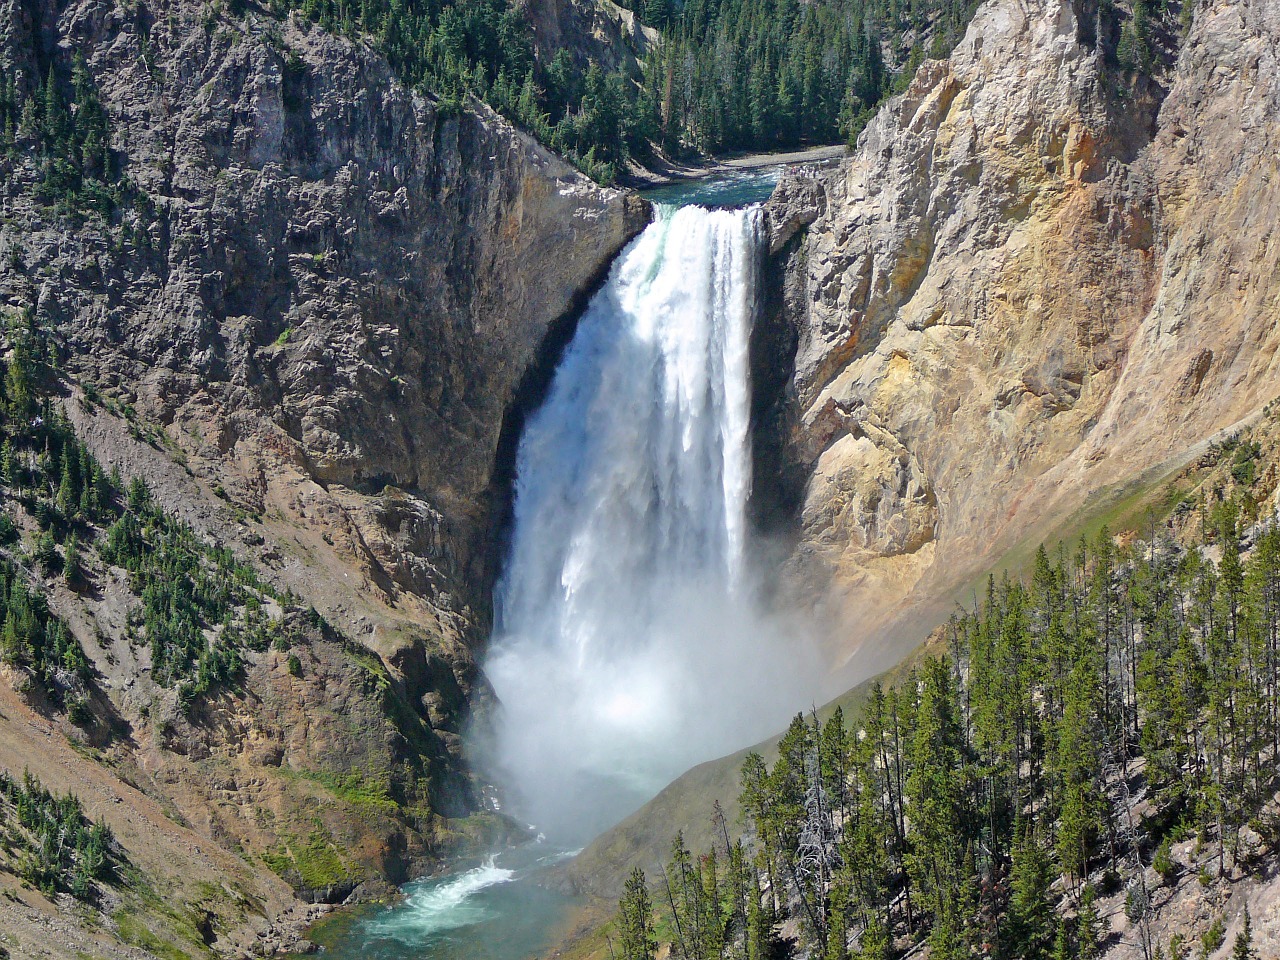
[671, 172]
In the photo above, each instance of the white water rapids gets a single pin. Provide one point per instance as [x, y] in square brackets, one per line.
[630, 640]
[434, 907]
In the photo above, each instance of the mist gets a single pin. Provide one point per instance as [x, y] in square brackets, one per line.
[631, 638]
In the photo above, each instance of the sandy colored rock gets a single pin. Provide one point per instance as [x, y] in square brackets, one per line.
[1037, 278]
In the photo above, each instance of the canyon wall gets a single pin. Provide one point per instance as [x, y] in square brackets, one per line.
[1039, 277]
[328, 298]
[312, 322]
[1040, 283]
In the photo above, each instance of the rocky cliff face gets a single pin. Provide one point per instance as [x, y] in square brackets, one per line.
[333, 291]
[312, 323]
[590, 31]
[328, 298]
[1038, 278]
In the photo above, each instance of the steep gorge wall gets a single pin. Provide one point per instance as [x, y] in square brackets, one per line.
[589, 31]
[331, 293]
[1037, 278]
[312, 325]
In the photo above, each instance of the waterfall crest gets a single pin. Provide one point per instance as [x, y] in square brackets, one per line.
[629, 642]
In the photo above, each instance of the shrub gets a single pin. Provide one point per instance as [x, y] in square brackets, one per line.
[78, 711]
[1213, 938]
[1164, 864]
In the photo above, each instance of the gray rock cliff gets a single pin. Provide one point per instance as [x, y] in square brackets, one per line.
[312, 323]
[332, 291]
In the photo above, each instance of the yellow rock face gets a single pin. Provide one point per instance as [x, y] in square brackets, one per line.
[1022, 289]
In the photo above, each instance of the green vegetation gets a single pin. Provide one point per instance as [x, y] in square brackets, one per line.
[1242, 948]
[483, 48]
[1147, 32]
[1213, 938]
[33, 638]
[311, 863]
[187, 587]
[636, 936]
[1135, 50]
[353, 788]
[984, 803]
[727, 74]
[61, 123]
[56, 847]
[200, 607]
[59, 484]
[768, 74]
[135, 928]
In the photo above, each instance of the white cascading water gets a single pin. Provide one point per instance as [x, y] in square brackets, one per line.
[630, 643]
[433, 907]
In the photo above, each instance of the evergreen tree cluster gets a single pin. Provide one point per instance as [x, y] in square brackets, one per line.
[200, 607]
[188, 588]
[726, 75]
[1148, 34]
[64, 127]
[47, 471]
[986, 801]
[56, 847]
[31, 637]
[768, 74]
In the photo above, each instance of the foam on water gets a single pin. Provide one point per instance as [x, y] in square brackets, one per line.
[432, 907]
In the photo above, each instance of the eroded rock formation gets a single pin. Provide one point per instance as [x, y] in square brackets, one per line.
[1039, 277]
[332, 293]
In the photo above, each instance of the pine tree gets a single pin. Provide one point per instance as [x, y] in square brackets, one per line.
[1088, 926]
[934, 791]
[68, 498]
[18, 388]
[759, 936]
[71, 560]
[11, 645]
[1062, 949]
[1011, 749]
[1242, 949]
[46, 552]
[876, 943]
[635, 920]
[1032, 923]
[8, 464]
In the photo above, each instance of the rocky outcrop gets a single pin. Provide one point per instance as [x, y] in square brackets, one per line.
[1038, 277]
[589, 31]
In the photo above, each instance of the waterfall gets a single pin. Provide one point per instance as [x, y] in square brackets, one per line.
[629, 639]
